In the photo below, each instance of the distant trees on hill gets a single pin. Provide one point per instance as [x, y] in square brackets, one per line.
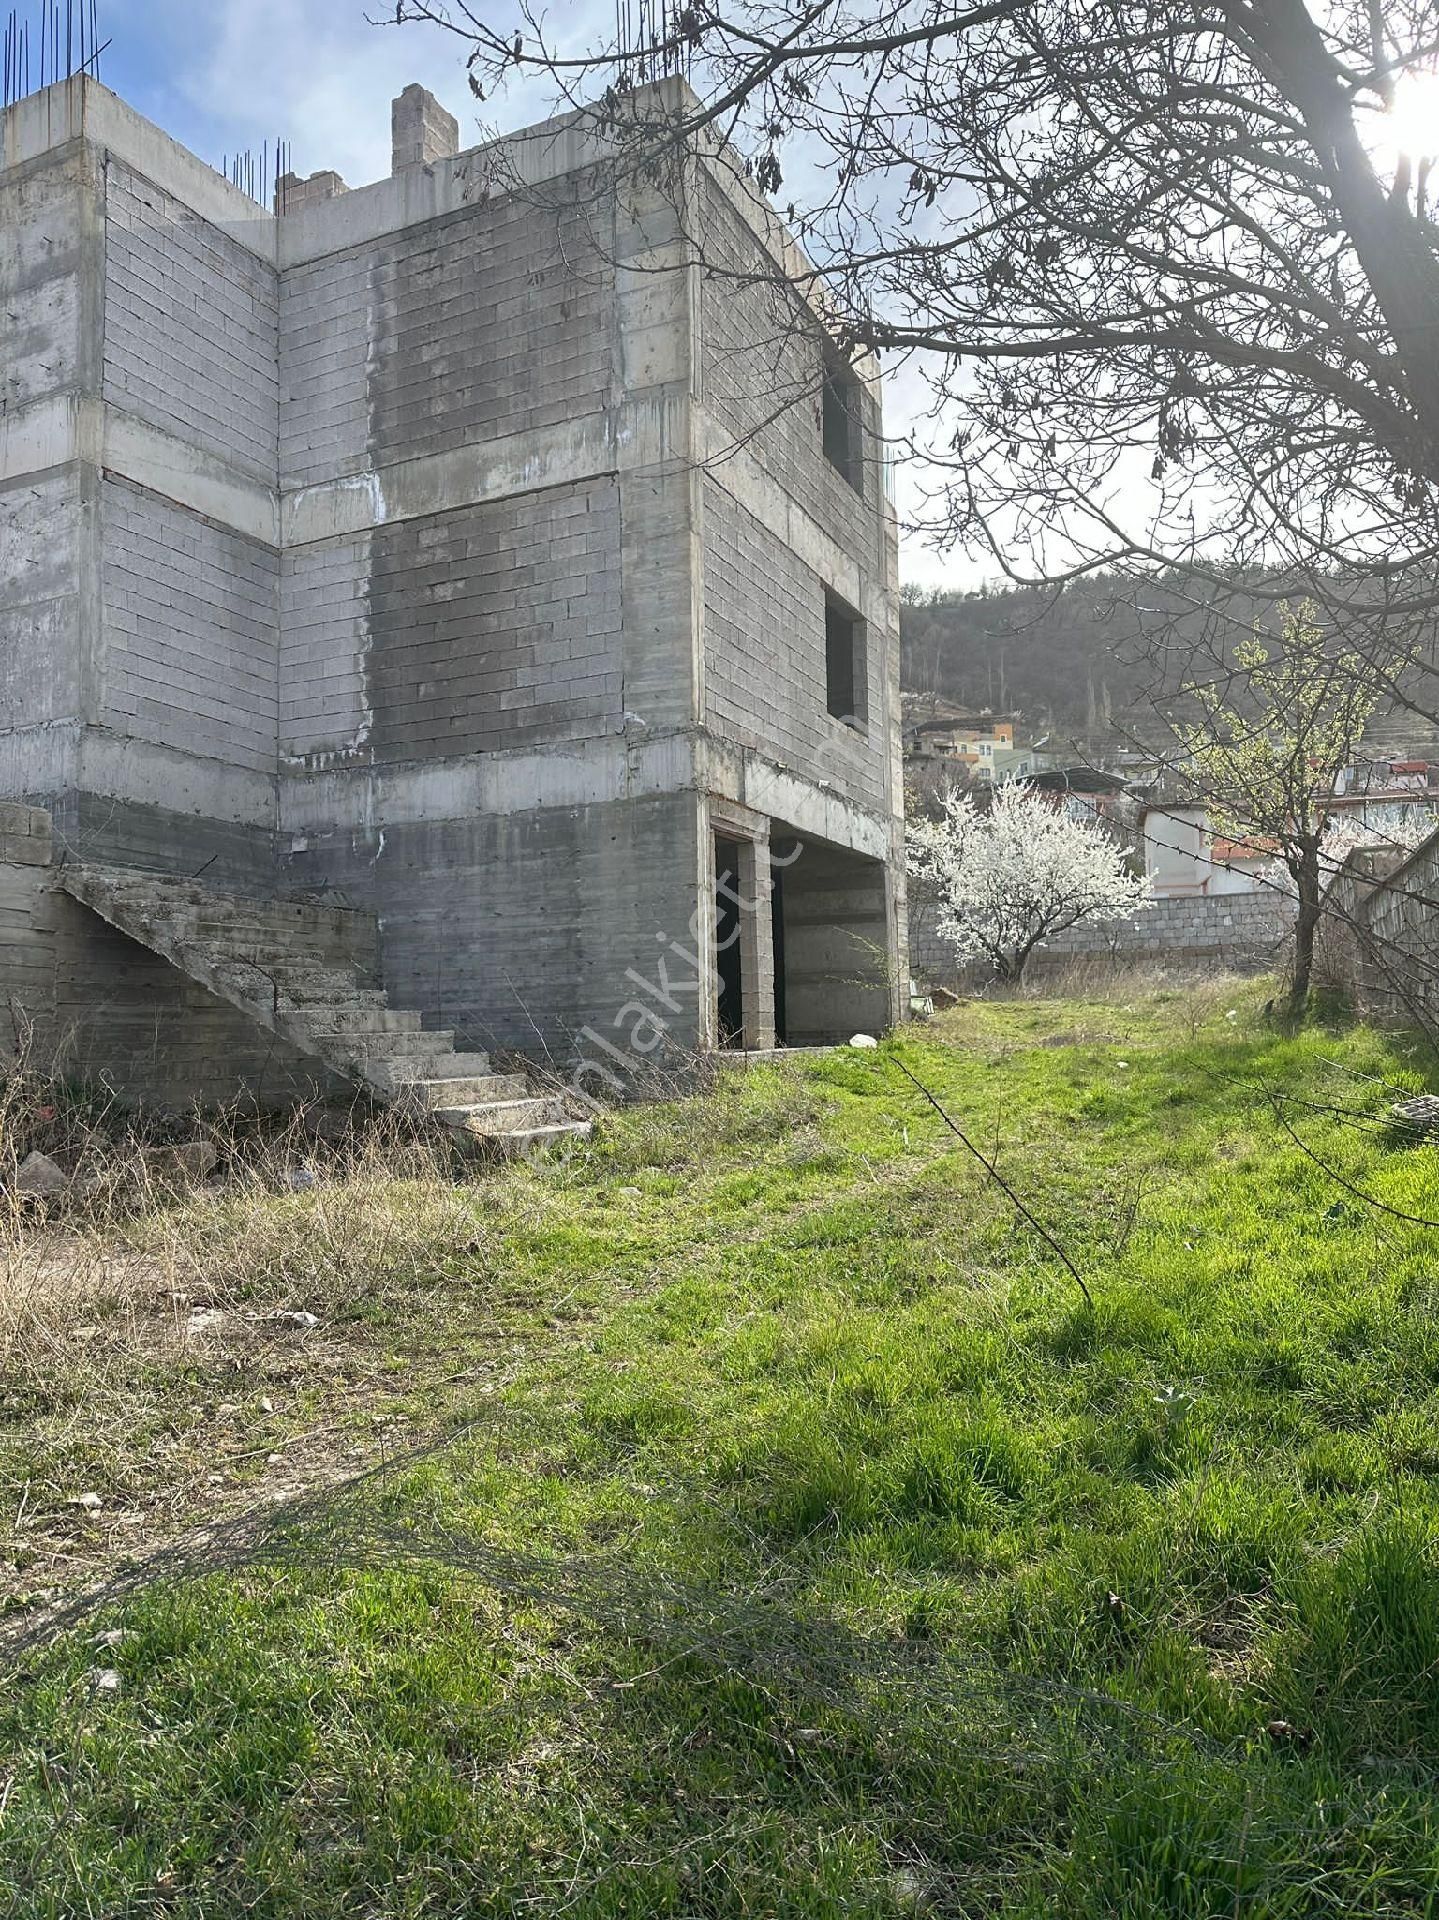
[1099, 661]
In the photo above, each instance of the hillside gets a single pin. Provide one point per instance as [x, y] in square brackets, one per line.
[1094, 663]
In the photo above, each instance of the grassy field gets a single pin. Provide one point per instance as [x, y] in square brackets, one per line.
[747, 1517]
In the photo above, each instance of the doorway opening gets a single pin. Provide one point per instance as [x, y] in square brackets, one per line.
[728, 961]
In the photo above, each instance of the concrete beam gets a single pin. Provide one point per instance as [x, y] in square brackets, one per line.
[611, 767]
[82, 109]
[640, 435]
[736, 775]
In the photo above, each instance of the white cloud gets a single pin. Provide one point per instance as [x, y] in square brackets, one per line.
[321, 75]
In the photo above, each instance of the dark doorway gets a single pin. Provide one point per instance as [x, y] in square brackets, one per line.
[727, 944]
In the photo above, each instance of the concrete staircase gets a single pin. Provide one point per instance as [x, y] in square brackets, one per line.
[303, 972]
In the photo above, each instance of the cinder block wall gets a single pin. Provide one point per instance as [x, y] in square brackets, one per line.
[191, 326]
[781, 525]
[138, 462]
[1244, 931]
[1380, 936]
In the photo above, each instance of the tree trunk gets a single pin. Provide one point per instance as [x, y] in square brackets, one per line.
[1390, 244]
[1306, 879]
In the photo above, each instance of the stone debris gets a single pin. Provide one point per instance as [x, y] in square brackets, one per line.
[183, 1166]
[1421, 1113]
[39, 1176]
[105, 1680]
[302, 1320]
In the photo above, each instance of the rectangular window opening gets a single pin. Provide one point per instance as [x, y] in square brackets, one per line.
[842, 422]
[844, 663]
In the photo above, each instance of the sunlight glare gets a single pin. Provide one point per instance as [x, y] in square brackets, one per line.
[1411, 127]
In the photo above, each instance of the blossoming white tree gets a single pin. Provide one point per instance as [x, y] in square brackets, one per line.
[1005, 880]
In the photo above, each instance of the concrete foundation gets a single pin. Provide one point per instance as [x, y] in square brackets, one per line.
[436, 547]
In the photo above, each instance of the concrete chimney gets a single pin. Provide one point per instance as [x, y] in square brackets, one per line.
[421, 130]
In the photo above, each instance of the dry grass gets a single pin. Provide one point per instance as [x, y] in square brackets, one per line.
[170, 1344]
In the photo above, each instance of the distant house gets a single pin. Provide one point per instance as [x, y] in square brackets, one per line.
[1184, 856]
[983, 744]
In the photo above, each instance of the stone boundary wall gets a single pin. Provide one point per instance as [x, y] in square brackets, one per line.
[1239, 931]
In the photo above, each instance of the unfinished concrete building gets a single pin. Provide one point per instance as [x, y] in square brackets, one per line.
[431, 616]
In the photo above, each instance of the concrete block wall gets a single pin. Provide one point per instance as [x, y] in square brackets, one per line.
[327, 319]
[324, 693]
[497, 626]
[764, 611]
[1383, 932]
[762, 371]
[519, 929]
[490, 321]
[191, 628]
[783, 525]
[191, 325]
[126, 1019]
[1244, 931]
[27, 947]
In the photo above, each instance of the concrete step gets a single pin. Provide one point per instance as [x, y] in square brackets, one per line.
[290, 968]
[346, 1023]
[452, 1095]
[535, 1140]
[392, 1072]
[295, 985]
[501, 1116]
[312, 990]
[399, 1051]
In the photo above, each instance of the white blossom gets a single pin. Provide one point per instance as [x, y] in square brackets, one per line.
[1006, 880]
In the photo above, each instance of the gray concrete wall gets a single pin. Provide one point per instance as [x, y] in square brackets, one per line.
[190, 616]
[138, 588]
[497, 626]
[520, 929]
[49, 366]
[782, 525]
[1378, 939]
[191, 326]
[838, 977]
[1245, 931]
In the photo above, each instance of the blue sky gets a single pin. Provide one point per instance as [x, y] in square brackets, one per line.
[227, 74]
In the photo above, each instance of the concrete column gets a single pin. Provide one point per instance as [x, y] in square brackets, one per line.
[422, 132]
[756, 948]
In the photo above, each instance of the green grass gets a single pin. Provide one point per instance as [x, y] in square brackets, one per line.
[799, 1545]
